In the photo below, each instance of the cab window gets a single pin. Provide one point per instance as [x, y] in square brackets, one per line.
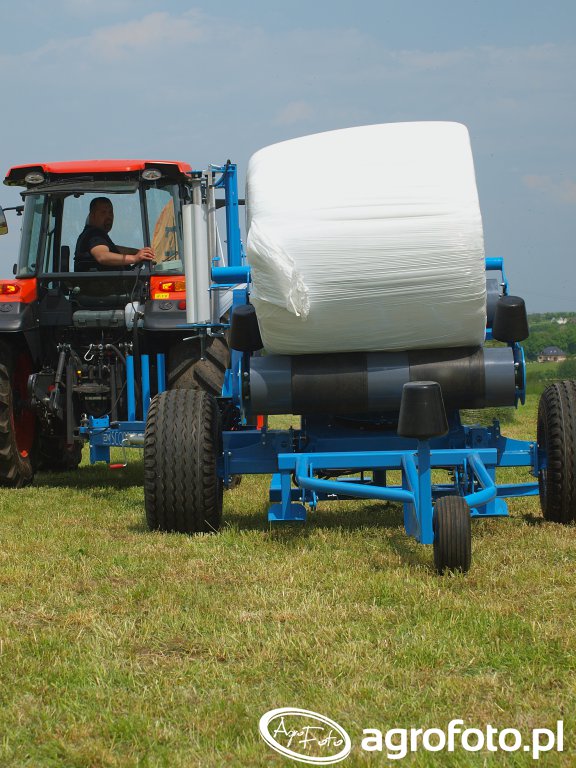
[127, 228]
[32, 241]
[165, 229]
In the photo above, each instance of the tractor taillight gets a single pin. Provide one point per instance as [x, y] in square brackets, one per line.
[172, 286]
[162, 288]
[9, 289]
[22, 291]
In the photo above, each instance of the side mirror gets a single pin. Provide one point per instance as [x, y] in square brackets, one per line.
[3, 223]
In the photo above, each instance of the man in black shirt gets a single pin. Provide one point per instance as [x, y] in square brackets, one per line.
[95, 249]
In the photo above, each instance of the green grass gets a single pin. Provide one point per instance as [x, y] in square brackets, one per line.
[119, 647]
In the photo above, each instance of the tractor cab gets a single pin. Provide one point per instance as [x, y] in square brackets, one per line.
[57, 200]
[146, 199]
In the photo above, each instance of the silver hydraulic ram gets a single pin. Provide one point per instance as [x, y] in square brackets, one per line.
[371, 382]
[196, 257]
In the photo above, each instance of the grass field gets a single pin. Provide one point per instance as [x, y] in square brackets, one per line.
[119, 647]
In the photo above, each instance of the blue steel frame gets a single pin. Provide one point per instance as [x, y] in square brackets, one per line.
[102, 434]
[228, 181]
[297, 458]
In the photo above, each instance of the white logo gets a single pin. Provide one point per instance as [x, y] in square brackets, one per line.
[305, 736]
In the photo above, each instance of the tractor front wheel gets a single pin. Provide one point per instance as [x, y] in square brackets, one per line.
[182, 490]
[556, 434]
[17, 423]
[452, 535]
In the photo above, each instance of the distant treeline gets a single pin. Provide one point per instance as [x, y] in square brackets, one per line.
[546, 332]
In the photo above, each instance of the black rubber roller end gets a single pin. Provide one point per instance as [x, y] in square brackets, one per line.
[510, 320]
[422, 413]
[244, 331]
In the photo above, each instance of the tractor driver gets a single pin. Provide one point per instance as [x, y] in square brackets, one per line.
[95, 249]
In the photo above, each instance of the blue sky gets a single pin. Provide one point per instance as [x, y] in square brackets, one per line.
[203, 82]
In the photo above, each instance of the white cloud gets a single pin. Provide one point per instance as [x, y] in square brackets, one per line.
[560, 190]
[294, 112]
[146, 36]
[433, 60]
[91, 7]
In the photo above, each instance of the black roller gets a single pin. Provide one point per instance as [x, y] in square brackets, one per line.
[359, 383]
[341, 379]
[459, 372]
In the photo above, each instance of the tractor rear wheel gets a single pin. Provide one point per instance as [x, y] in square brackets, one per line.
[556, 435]
[182, 491]
[17, 423]
[186, 369]
[452, 535]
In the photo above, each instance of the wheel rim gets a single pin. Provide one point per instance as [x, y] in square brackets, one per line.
[23, 420]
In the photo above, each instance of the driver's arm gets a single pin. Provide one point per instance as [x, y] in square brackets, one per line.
[126, 257]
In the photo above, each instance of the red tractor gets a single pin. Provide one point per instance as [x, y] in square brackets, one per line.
[83, 347]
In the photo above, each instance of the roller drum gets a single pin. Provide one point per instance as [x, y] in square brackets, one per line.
[361, 383]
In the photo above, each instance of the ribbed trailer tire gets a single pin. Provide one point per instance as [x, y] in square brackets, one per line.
[182, 491]
[186, 370]
[556, 434]
[16, 441]
[452, 535]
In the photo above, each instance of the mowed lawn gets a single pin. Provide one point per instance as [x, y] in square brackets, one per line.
[120, 647]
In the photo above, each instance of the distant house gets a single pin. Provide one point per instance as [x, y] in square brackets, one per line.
[551, 355]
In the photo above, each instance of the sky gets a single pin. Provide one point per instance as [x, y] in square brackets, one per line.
[204, 82]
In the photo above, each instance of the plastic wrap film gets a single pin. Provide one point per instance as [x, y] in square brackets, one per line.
[367, 239]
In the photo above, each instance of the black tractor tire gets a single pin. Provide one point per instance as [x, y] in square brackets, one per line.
[182, 443]
[452, 535]
[218, 352]
[186, 369]
[55, 455]
[556, 435]
[17, 424]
